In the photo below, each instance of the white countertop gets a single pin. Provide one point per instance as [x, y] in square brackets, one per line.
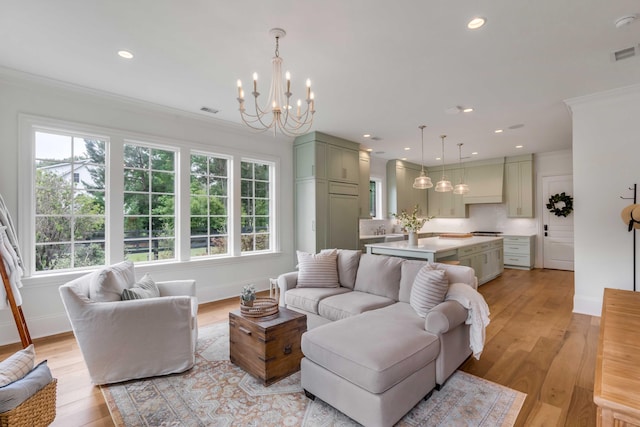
[436, 244]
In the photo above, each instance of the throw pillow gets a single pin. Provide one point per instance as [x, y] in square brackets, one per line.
[108, 285]
[17, 365]
[348, 261]
[318, 270]
[145, 288]
[429, 289]
[379, 275]
[18, 391]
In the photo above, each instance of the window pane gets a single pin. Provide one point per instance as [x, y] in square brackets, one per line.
[262, 207]
[136, 204]
[136, 227]
[262, 189]
[136, 157]
[136, 180]
[209, 190]
[247, 206]
[162, 182]
[246, 170]
[246, 188]
[262, 224]
[162, 160]
[162, 204]
[69, 194]
[247, 224]
[262, 172]
[262, 242]
[136, 250]
[162, 227]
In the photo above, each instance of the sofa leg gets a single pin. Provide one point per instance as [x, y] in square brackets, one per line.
[438, 387]
[428, 395]
[311, 396]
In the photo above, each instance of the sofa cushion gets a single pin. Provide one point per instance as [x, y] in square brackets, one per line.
[318, 270]
[348, 261]
[144, 288]
[351, 348]
[307, 299]
[17, 365]
[429, 289]
[346, 305]
[379, 275]
[109, 283]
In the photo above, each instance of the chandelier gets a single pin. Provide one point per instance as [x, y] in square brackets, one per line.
[277, 113]
[443, 185]
[423, 181]
[461, 187]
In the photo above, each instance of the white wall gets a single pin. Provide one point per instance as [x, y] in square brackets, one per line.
[215, 279]
[606, 158]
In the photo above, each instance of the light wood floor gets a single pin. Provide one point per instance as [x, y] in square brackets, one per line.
[534, 344]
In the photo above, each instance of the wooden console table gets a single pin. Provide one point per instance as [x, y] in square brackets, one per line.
[617, 382]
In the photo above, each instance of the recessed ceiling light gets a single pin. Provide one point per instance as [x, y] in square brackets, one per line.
[498, 131]
[404, 158]
[407, 148]
[125, 54]
[475, 153]
[519, 146]
[438, 158]
[476, 23]
[366, 135]
[467, 110]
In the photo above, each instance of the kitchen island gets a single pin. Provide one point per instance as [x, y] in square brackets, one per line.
[482, 253]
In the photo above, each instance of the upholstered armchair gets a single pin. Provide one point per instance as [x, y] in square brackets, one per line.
[137, 338]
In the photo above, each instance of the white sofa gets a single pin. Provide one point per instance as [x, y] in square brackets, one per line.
[367, 352]
[124, 340]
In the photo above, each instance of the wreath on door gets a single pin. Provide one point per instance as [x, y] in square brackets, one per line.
[560, 210]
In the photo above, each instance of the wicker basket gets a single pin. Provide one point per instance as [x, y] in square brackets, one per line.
[37, 411]
[261, 307]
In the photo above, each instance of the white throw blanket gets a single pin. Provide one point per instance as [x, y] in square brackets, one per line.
[13, 268]
[478, 316]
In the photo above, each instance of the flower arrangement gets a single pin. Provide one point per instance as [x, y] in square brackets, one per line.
[411, 223]
[248, 295]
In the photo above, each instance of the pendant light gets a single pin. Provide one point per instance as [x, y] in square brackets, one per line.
[422, 182]
[461, 187]
[443, 185]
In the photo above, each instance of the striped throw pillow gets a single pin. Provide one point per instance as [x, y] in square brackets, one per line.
[145, 288]
[318, 270]
[429, 289]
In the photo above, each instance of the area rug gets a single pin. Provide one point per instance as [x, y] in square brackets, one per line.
[217, 393]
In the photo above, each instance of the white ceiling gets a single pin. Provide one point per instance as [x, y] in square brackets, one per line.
[377, 67]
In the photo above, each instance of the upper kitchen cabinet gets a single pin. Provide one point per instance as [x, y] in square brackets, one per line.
[308, 156]
[365, 176]
[519, 186]
[400, 192]
[485, 179]
[342, 164]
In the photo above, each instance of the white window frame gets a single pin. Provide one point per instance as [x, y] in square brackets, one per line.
[115, 140]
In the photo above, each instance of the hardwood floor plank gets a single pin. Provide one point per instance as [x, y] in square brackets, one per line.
[543, 415]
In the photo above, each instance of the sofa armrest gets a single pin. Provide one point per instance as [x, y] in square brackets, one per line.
[287, 281]
[445, 317]
[177, 288]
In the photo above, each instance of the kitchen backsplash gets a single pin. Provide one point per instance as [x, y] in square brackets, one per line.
[482, 217]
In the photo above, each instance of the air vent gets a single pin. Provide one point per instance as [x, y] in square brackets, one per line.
[209, 110]
[376, 138]
[621, 54]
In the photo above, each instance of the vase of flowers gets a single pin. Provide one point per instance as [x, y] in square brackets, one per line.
[411, 223]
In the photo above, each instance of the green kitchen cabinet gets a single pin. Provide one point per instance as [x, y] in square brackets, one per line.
[519, 186]
[400, 192]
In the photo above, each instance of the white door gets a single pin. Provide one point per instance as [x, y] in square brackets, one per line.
[557, 230]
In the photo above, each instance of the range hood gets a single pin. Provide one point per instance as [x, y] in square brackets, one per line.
[485, 180]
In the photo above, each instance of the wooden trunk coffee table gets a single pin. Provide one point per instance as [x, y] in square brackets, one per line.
[267, 347]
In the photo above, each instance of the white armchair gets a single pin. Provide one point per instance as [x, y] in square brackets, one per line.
[124, 340]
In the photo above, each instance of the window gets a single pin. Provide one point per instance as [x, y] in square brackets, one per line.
[209, 205]
[69, 212]
[372, 198]
[149, 203]
[256, 205]
[95, 196]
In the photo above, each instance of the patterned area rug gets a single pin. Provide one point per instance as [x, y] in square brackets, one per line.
[217, 393]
